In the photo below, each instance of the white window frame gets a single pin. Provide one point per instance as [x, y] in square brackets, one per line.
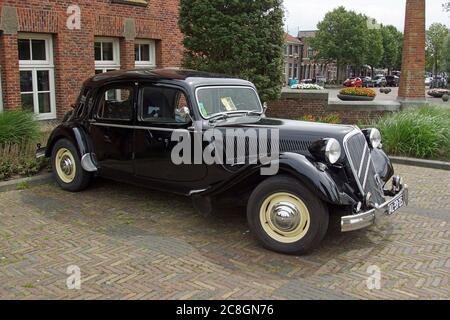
[152, 54]
[1, 91]
[108, 64]
[41, 65]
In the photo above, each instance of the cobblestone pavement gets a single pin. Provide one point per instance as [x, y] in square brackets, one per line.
[139, 244]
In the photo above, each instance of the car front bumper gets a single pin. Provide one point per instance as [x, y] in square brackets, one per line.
[366, 219]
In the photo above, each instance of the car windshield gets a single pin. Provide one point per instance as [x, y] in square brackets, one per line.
[214, 101]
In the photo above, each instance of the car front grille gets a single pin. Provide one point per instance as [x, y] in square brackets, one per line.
[360, 160]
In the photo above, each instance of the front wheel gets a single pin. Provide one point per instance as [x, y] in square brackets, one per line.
[67, 168]
[286, 217]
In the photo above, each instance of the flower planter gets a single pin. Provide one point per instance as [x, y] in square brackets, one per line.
[345, 97]
[437, 93]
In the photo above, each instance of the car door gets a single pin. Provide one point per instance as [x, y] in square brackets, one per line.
[112, 129]
[158, 118]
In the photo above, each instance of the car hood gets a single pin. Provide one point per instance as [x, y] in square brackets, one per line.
[293, 134]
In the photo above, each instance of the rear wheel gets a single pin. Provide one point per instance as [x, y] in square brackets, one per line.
[286, 217]
[67, 168]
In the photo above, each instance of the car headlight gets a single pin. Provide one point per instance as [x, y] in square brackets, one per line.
[333, 151]
[375, 138]
[327, 150]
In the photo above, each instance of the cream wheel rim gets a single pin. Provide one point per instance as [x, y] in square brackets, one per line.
[65, 165]
[284, 217]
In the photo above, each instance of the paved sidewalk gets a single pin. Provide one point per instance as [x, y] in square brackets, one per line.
[140, 244]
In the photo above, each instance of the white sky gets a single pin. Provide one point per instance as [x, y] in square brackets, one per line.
[305, 14]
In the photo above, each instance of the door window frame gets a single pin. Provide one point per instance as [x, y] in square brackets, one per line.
[101, 94]
[164, 125]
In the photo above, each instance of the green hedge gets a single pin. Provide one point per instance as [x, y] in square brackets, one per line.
[419, 133]
[17, 127]
[19, 134]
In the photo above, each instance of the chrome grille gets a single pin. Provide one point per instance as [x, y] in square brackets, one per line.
[360, 159]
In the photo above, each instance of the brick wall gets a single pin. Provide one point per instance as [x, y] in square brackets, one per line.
[295, 105]
[74, 49]
[412, 85]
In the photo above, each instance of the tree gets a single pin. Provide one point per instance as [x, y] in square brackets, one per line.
[436, 35]
[446, 54]
[375, 49]
[240, 38]
[342, 37]
[392, 45]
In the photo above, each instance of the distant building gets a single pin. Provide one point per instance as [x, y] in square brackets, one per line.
[292, 58]
[318, 70]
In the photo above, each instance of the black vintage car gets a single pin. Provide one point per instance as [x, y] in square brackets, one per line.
[128, 126]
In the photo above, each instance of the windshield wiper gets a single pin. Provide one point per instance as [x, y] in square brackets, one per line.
[218, 117]
[254, 112]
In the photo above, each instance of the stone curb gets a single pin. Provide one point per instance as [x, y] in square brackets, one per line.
[32, 181]
[422, 163]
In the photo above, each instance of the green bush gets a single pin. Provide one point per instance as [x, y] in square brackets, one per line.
[18, 127]
[330, 118]
[23, 168]
[418, 133]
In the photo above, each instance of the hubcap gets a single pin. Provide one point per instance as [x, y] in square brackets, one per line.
[285, 217]
[65, 165]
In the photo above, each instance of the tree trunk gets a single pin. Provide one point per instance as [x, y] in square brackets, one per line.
[338, 73]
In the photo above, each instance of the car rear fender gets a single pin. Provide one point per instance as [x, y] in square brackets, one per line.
[78, 136]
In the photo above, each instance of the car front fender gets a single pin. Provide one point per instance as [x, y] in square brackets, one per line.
[318, 181]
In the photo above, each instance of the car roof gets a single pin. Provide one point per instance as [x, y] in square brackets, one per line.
[189, 77]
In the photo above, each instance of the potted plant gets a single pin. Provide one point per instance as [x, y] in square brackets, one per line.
[357, 94]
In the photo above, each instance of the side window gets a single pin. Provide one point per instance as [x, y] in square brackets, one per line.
[116, 104]
[163, 105]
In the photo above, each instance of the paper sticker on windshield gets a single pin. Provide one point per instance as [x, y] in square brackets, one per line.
[202, 109]
[228, 104]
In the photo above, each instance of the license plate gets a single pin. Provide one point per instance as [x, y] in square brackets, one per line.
[396, 205]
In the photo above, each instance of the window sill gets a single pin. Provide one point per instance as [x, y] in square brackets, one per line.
[139, 3]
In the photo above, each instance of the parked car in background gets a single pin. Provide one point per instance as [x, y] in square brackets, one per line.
[127, 125]
[392, 81]
[353, 82]
[379, 81]
[307, 81]
[367, 82]
[428, 81]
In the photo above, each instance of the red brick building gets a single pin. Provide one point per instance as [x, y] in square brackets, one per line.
[48, 47]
